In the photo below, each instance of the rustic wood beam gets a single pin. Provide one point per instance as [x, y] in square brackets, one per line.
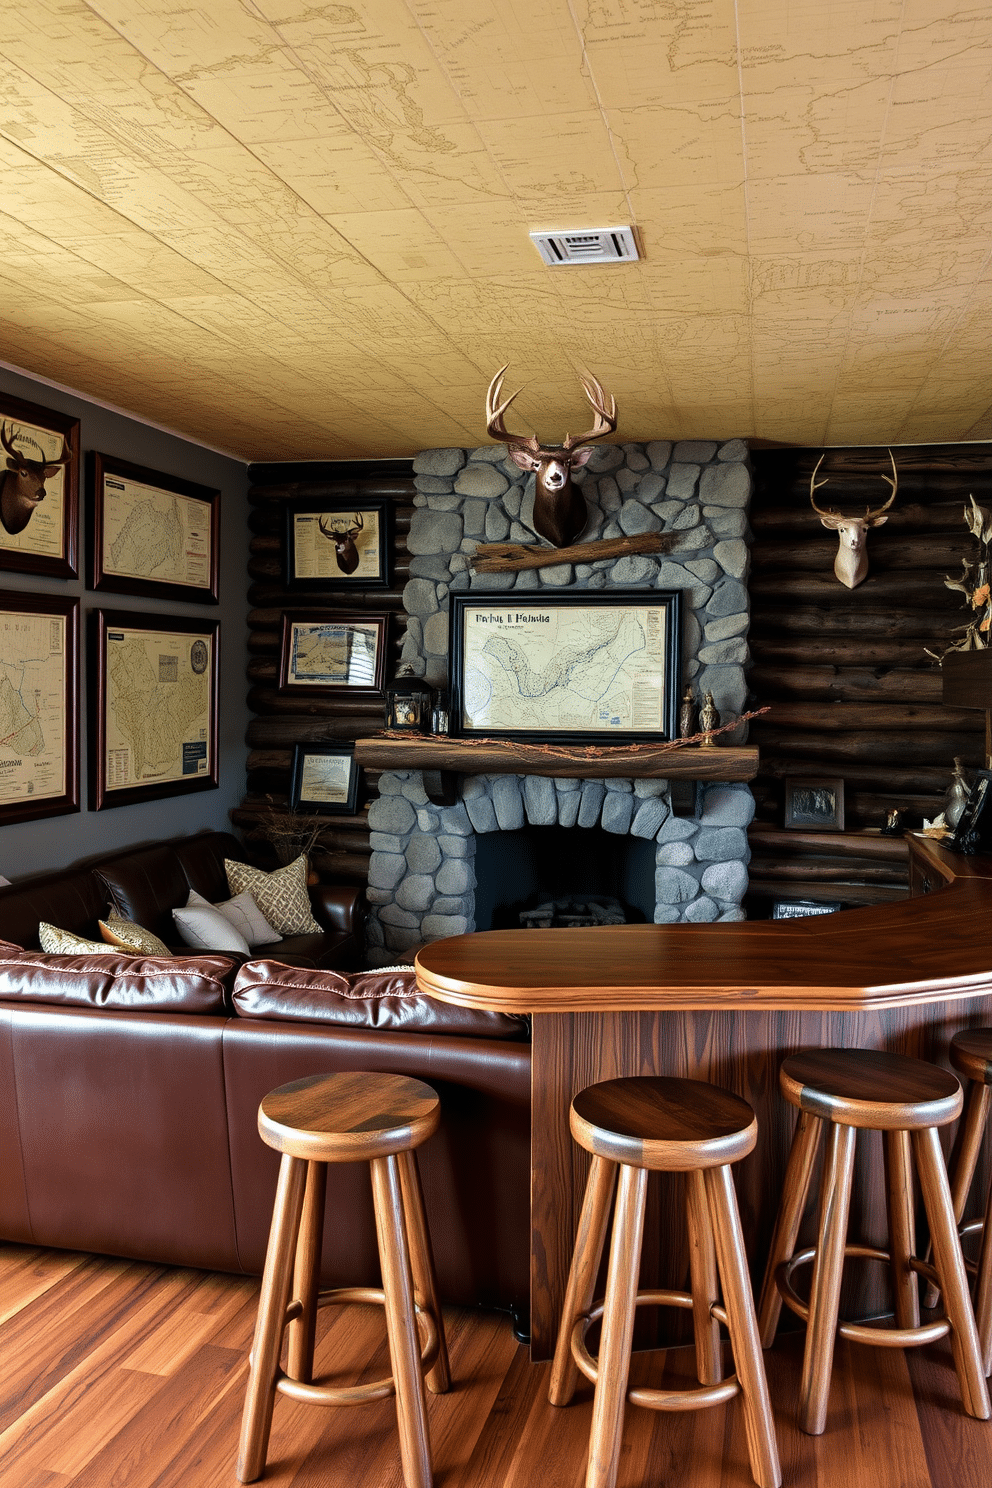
[512, 557]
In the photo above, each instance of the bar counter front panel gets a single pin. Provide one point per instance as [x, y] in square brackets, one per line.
[724, 1003]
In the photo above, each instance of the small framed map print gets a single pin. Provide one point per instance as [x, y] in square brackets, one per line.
[39, 670]
[154, 721]
[152, 533]
[325, 779]
[589, 667]
[334, 545]
[39, 489]
[326, 652]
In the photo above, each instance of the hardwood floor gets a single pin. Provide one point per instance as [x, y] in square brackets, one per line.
[115, 1374]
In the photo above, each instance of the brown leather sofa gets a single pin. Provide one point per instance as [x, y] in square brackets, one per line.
[146, 884]
[129, 1089]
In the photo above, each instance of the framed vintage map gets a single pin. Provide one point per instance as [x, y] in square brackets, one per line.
[585, 667]
[39, 671]
[326, 652]
[154, 720]
[325, 779]
[338, 545]
[39, 489]
[152, 533]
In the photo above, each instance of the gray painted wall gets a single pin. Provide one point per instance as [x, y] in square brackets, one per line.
[33, 846]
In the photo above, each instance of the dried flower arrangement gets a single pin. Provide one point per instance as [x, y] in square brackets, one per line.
[289, 833]
[974, 584]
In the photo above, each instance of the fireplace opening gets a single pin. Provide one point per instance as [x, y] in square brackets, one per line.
[519, 872]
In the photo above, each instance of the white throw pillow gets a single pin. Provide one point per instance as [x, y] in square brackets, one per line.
[244, 914]
[204, 927]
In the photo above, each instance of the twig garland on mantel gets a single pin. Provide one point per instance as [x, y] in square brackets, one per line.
[522, 750]
[512, 557]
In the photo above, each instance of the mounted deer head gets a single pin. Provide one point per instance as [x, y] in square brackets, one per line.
[22, 484]
[559, 510]
[343, 538]
[851, 563]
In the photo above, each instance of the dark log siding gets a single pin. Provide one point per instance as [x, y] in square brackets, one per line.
[851, 690]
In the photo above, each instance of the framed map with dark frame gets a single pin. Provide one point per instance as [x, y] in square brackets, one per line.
[324, 780]
[338, 545]
[325, 651]
[39, 682]
[39, 489]
[588, 667]
[153, 725]
[152, 533]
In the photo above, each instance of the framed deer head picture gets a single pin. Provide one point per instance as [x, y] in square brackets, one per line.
[39, 489]
[338, 545]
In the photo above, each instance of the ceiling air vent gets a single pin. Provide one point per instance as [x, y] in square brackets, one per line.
[595, 246]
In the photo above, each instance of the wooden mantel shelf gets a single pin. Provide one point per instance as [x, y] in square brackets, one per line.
[513, 757]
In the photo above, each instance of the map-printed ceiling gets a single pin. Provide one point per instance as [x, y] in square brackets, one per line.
[295, 229]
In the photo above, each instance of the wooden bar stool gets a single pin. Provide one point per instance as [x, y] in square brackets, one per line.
[373, 1118]
[971, 1056]
[843, 1090]
[633, 1126]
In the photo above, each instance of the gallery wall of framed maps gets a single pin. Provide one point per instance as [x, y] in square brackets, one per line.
[135, 702]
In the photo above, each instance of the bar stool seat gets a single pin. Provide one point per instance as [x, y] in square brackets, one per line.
[633, 1126]
[971, 1056]
[347, 1117]
[844, 1090]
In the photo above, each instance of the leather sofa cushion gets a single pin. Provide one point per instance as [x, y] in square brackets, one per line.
[186, 984]
[387, 1000]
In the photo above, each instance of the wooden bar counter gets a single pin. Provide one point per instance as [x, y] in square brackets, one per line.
[723, 1003]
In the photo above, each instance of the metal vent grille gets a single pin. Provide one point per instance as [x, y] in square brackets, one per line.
[595, 246]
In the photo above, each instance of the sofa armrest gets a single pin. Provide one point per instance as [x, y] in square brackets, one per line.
[340, 907]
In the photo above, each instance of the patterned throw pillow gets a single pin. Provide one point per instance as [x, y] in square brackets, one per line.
[281, 896]
[58, 942]
[127, 936]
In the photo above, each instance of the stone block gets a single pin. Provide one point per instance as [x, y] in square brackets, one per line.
[568, 808]
[701, 911]
[455, 876]
[391, 814]
[635, 519]
[391, 781]
[608, 494]
[427, 819]
[444, 503]
[557, 575]
[527, 579]
[649, 815]
[728, 625]
[725, 485]
[726, 521]
[617, 812]
[636, 458]
[596, 581]
[454, 820]
[423, 854]
[436, 633]
[650, 487]
[416, 892]
[674, 576]
[420, 597]
[433, 567]
[675, 886]
[725, 881]
[605, 457]
[481, 480]
[694, 451]
[682, 482]
[734, 449]
[704, 569]
[482, 814]
[438, 461]
[400, 938]
[626, 479]
[453, 904]
[386, 870]
[732, 556]
[508, 803]
[592, 795]
[677, 829]
[728, 598]
[633, 568]
[721, 845]
[727, 685]
[659, 452]
[620, 783]
[736, 914]
[666, 914]
[727, 806]
[439, 927]
[490, 454]
[434, 532]
[474, 517]
[675, 855]
[433, 485]
[413, 790]
[458, 847]
[386, 842]
[489, 581]
[540, 801]
[687, 518]
[497, 523]
[734, 649]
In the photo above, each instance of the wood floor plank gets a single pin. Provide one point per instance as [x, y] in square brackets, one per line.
[167, 1349]
[29, 1273]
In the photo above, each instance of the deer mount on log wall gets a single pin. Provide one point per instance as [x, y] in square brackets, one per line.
[345, 540]
[851, 563]
[559, 510]
[22, 481]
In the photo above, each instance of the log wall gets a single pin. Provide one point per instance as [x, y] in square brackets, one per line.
[280, 722]
[851, 690]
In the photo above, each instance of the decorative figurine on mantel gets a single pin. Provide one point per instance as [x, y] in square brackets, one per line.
[956, 796]
[688, 715]
[709, 719]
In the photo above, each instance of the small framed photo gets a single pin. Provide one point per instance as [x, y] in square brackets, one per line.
[39, 682]
[338, 545]
[973, 833]
[325, 779]
[801, 909]
[814, 804]
[39, 489]
[152, 533]
[326, 652]
[153, 725]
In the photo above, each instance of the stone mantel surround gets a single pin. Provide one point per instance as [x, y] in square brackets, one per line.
[421, 873]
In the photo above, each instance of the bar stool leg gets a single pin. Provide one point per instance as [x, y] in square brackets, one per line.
[824, 1302]
[422, 1264]
[949, 1265]
[742, 1323]
[273, 1300]
[902, 1228]
[618, 1329]
[964, 1161]
[306, 1276]
[704, 1284]
[582, 1275]
[795, 1192]
[401, 1326]
[983, 1304]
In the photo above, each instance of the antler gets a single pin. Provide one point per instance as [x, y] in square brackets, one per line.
[814, 485]
[893, 481]
[606, 414]
[8, 444]
[495, 411]
[870, 515]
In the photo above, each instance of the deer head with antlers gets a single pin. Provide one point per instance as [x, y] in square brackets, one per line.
[851, 563]
[559, 510]
[22, 484]
[345, 542]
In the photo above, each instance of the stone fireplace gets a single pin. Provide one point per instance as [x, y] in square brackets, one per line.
[422, 871]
